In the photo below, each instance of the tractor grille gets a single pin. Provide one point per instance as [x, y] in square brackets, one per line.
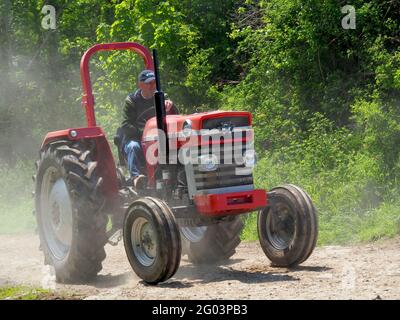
[229, 173]
[224, 176]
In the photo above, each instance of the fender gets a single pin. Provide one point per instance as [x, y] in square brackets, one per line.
[103, 155]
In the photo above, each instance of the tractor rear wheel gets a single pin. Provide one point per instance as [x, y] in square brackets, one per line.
[152, 240]
[71, 223]
[212, 244]
[288, 226]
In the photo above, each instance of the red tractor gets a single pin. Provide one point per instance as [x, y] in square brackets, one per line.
[191, 206]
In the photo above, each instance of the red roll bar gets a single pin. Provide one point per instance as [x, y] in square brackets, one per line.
[87, 98]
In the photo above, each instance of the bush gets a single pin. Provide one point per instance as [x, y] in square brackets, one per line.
[346, 185]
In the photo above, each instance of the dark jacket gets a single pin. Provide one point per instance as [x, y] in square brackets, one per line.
[137, 111]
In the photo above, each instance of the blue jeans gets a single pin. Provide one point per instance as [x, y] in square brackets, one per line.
[134, 155]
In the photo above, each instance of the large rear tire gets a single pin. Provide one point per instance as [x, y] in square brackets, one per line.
[212, 244]
[71, 223]
[152, 240]
[288, 226]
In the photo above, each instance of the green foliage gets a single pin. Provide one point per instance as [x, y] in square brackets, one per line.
[194, 54]
[325, 107]
[379, 123]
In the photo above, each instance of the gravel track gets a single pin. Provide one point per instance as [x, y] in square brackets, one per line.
[370, 271]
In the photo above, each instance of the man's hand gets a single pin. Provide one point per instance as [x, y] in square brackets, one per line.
[168, 104]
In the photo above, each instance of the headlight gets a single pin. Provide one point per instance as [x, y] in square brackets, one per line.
[208, 162]
[187, 128]
[250, 158]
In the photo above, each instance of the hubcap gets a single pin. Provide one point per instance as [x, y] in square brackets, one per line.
[280, 226]
[144, 241]
[57, 213]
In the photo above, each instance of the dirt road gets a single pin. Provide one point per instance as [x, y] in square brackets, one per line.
[369, 271]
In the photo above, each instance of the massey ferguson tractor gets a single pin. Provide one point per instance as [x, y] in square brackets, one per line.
[199, 172]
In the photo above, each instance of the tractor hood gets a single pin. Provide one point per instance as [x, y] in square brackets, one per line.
[198, 123]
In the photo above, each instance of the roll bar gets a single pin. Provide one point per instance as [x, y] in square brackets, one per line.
[88, 98]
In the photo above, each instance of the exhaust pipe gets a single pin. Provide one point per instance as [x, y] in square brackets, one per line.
[159, 100]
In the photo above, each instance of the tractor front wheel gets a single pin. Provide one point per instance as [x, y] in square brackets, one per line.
[288, 227]
[152, 240]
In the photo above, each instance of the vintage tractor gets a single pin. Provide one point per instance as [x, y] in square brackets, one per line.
[191, 206]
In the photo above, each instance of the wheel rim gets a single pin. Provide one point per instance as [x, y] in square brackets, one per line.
[57, 213]
[144, 241]
[280, 226]
[194, 234]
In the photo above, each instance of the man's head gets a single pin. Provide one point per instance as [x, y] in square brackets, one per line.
[146, 76]
[147, 83]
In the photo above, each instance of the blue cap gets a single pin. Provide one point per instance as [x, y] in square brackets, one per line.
[146, 76]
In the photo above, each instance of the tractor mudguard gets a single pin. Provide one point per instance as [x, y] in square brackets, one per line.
[102, 155]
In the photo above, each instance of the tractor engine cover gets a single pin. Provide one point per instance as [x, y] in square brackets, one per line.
[217, 151]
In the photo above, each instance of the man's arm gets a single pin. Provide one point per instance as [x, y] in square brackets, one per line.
[129, 119]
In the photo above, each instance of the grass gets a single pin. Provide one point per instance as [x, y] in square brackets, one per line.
[348, 198]
[383, 222]
[16, 201]
[30, 293]
[249, 232]
[22, 293]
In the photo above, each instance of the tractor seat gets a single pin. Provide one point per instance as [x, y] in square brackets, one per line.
[117, 140]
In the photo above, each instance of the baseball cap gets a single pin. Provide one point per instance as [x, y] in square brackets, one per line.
[146, 76]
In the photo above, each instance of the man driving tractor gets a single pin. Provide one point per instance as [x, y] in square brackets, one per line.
[139, 107]
[78, 188]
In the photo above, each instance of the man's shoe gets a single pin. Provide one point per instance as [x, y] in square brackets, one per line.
[140, 182]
